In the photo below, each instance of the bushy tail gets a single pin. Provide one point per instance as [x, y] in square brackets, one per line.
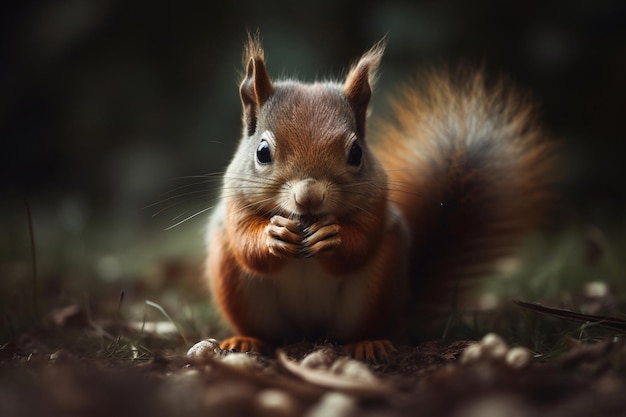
[470, 169]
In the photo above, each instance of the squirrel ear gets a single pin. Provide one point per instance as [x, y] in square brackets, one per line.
[256, 87]
[359, 83]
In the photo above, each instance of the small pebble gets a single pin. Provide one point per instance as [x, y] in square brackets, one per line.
[472, 353]
[494, 345]
[319, 359]
[518, 357]
[203, 349]
[353, 369]
[243, 361]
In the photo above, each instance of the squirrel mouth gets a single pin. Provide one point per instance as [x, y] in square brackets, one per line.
[305, 220]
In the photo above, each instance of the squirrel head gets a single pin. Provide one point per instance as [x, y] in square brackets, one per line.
[304, 145]
[257, 87]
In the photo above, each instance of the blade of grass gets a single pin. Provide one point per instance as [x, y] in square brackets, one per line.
[33, 253]
[167, 316]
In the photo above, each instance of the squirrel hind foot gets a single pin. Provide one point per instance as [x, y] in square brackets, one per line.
[244, 344]
[374, 351]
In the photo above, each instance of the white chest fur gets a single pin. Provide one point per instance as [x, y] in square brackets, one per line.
[303, 298]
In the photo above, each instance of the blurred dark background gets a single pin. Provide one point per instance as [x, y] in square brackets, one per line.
[106, 104]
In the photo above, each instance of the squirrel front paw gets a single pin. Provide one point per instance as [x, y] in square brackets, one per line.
[321, 238]
[283, 237]
[286, 239]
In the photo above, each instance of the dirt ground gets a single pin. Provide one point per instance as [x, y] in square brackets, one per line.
[429, 379]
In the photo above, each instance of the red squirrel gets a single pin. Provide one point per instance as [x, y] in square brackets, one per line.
[322, 231]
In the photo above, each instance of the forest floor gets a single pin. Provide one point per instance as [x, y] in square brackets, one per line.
[112, 353]
[431, 379]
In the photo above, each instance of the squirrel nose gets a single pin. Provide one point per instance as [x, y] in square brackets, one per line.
[308, 194]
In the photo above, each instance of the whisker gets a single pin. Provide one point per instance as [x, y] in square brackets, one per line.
[210, 174]
[176, 204]
[358, 208]
[250, 187]
[219, 176]
[189, 218]
[254, 180]
[187, 194]
[189, 185]
[249, 194]
[180, 215]
[258, 203]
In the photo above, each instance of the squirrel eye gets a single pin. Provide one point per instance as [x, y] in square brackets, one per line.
[263, 154]
[354, 155]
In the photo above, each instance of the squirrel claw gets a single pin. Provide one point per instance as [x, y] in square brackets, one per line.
[321, 238]
[243, 344]
[370, 350]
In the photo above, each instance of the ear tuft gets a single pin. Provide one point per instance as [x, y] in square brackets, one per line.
[360, 81]
[256, 87]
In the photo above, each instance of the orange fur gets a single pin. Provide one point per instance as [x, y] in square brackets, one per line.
[247, 240]
[360, 237]
[227, 294]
